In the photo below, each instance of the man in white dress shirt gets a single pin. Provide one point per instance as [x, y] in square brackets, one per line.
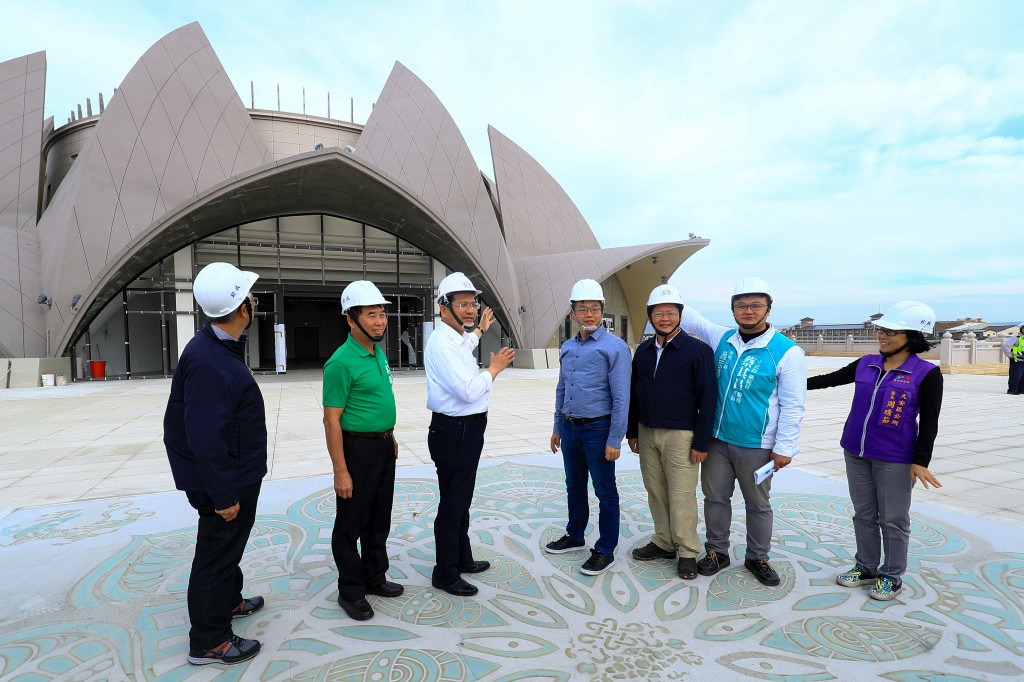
[457, 394]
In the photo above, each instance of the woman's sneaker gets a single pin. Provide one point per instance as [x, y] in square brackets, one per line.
[234, 650]
[564, 544]
[855, 577]
[885, 589]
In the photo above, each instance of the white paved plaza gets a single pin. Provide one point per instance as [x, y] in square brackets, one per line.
[96, 545]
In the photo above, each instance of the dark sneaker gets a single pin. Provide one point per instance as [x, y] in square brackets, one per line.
[687, 568]
[651, 551]
[712, 563]
[763, 571]
[386, 589]
[564, 544]
[247, 607]
[234, 650]
[358, 609]
[855, 577]
[885, 588]
[475, 567]
[598, 563]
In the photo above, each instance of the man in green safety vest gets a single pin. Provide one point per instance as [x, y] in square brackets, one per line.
[1013, 348]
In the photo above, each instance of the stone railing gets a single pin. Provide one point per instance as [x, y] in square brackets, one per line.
[972, 352]
[847, 345]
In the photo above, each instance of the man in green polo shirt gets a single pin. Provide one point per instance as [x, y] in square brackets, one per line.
[359, 418]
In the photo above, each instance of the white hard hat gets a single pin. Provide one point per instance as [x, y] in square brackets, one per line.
[455, 283]
[361, 292]
[665, 293]
[908, 315]
[586, 290]
[752, 285]
[220, 288]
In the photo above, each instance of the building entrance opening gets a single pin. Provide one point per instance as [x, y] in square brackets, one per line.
[314, 328]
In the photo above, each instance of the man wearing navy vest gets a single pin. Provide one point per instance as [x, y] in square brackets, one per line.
[762, 383]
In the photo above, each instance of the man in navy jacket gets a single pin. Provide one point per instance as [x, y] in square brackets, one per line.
[671, 406]
[215, 432]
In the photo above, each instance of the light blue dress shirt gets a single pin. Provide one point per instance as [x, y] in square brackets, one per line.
[593, 380]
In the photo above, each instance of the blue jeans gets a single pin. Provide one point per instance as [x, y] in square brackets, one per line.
[583, 452]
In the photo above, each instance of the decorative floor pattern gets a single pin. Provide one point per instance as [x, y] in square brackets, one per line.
[98, 591]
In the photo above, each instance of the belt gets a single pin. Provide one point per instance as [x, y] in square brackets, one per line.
[576, 421]
[374, 434]
[478, 415]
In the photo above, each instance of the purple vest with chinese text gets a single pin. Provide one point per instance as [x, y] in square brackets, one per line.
[883, 420]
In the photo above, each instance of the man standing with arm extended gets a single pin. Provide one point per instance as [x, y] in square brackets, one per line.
[359, 420]
[672, 401]
[1013, 349]
[215, 432]
[762, 384]
[591, 406]
[457, 394]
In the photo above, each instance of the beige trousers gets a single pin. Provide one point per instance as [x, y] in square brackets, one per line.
[671, 481]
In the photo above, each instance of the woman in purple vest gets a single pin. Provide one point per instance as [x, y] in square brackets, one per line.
[887, 452]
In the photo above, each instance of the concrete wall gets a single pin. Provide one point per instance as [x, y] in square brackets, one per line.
[61, 150]
[22, 89]
[287, 134]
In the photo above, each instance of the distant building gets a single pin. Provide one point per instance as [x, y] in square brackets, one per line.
[808, 332]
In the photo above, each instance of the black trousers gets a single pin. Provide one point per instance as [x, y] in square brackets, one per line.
[366, 516]
[1016, 375]
[455, 444]
[215, 585]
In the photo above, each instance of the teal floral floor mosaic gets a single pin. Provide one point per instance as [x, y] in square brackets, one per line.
[96, 591]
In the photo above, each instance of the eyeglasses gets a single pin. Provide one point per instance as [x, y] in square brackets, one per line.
[255, 301]
[755, 307]
[589, 311]
[666, 315]
[473, 305]
[888, 332]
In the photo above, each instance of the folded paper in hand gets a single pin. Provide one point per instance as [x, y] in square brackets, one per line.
[760, 475]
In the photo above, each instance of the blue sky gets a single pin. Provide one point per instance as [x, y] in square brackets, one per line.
[852, 154]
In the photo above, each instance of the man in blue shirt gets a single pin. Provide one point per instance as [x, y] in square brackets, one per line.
[591, 406]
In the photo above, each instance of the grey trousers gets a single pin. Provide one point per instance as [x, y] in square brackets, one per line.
[880, 492]
[726, 464]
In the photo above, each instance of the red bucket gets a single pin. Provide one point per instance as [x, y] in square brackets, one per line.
[98, 368]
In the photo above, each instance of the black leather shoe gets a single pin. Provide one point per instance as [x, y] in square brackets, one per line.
[356, 610]
[475, 567]
[459, 588]
[763, 571]
[386, 589]
[712, 563]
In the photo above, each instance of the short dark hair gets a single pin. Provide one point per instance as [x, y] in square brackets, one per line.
[353, 311]
[916, 342]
